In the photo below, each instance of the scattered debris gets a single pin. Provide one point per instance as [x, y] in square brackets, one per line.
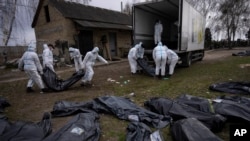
[244, 65]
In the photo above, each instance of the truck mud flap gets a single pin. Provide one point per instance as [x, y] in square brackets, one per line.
[52, 81]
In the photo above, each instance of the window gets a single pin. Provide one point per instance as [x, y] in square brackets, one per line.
[46, 9]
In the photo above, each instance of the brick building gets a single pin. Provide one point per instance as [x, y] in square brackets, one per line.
[81, 26]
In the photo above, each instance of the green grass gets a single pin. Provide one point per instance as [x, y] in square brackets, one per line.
[194, 80]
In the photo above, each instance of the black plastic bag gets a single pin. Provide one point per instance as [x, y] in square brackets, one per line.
[177, 111]
[234, 108]
[146, 67]
[66, 108]
[82, 127]
[191, 129]
[121, 107]
[239, 99]
[4, 126]
[137, 131]
[54, 83]
[27, 131]
[199, 103]
[125, 109]
[232, 87]
[3, 104]
[243, 53]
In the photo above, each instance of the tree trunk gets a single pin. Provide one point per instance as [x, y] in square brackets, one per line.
[11, 24]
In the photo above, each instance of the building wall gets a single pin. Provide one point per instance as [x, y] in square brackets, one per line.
[60, 28]
[123, 40]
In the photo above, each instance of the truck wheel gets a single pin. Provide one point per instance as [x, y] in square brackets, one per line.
[187, 60]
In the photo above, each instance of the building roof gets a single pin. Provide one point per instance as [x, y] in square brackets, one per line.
[103, 25]
[90, 14]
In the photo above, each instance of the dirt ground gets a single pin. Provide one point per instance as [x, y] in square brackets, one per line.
[32, 106]
[211, 55]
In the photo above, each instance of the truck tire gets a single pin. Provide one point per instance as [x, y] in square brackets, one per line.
[187, 59]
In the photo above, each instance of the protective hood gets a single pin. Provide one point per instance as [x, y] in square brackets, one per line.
[140, 44]
[32, 46]
[159, 44]
[45, 46]
[165, 47]
[71, 49]
[95, 50]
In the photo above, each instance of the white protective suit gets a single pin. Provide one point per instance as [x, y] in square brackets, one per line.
[89, 62]
[47, 57]
[77, 56]
[158, 31]
[30, 63]
[160, 58]
[172, 59]
[134, 53]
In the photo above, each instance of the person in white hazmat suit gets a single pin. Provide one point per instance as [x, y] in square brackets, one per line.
[30, 63]
[77, 56]
[158, 31]
[140, 54]
[172, 59]
[48, 56]
[134, 53]
[88, 63]
[160, 59]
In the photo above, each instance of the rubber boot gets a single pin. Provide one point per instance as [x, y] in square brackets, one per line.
[29, 90]
[44, 90]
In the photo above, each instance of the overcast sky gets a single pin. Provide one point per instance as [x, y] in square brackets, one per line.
[111, 4]
[107, 4]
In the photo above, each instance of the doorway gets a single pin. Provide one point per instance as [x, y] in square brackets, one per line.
[112, 44]
[85, 41]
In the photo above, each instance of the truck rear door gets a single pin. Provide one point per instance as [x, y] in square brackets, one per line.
[192, 28]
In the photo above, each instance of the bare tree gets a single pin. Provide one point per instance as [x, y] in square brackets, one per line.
[231, 12]
[127, 8]
[8, 18]
[15, 16]
[206, 8]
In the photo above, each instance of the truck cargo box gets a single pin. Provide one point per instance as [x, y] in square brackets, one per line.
[183, 28]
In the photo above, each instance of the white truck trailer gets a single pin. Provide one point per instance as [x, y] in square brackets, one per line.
[183, 28]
